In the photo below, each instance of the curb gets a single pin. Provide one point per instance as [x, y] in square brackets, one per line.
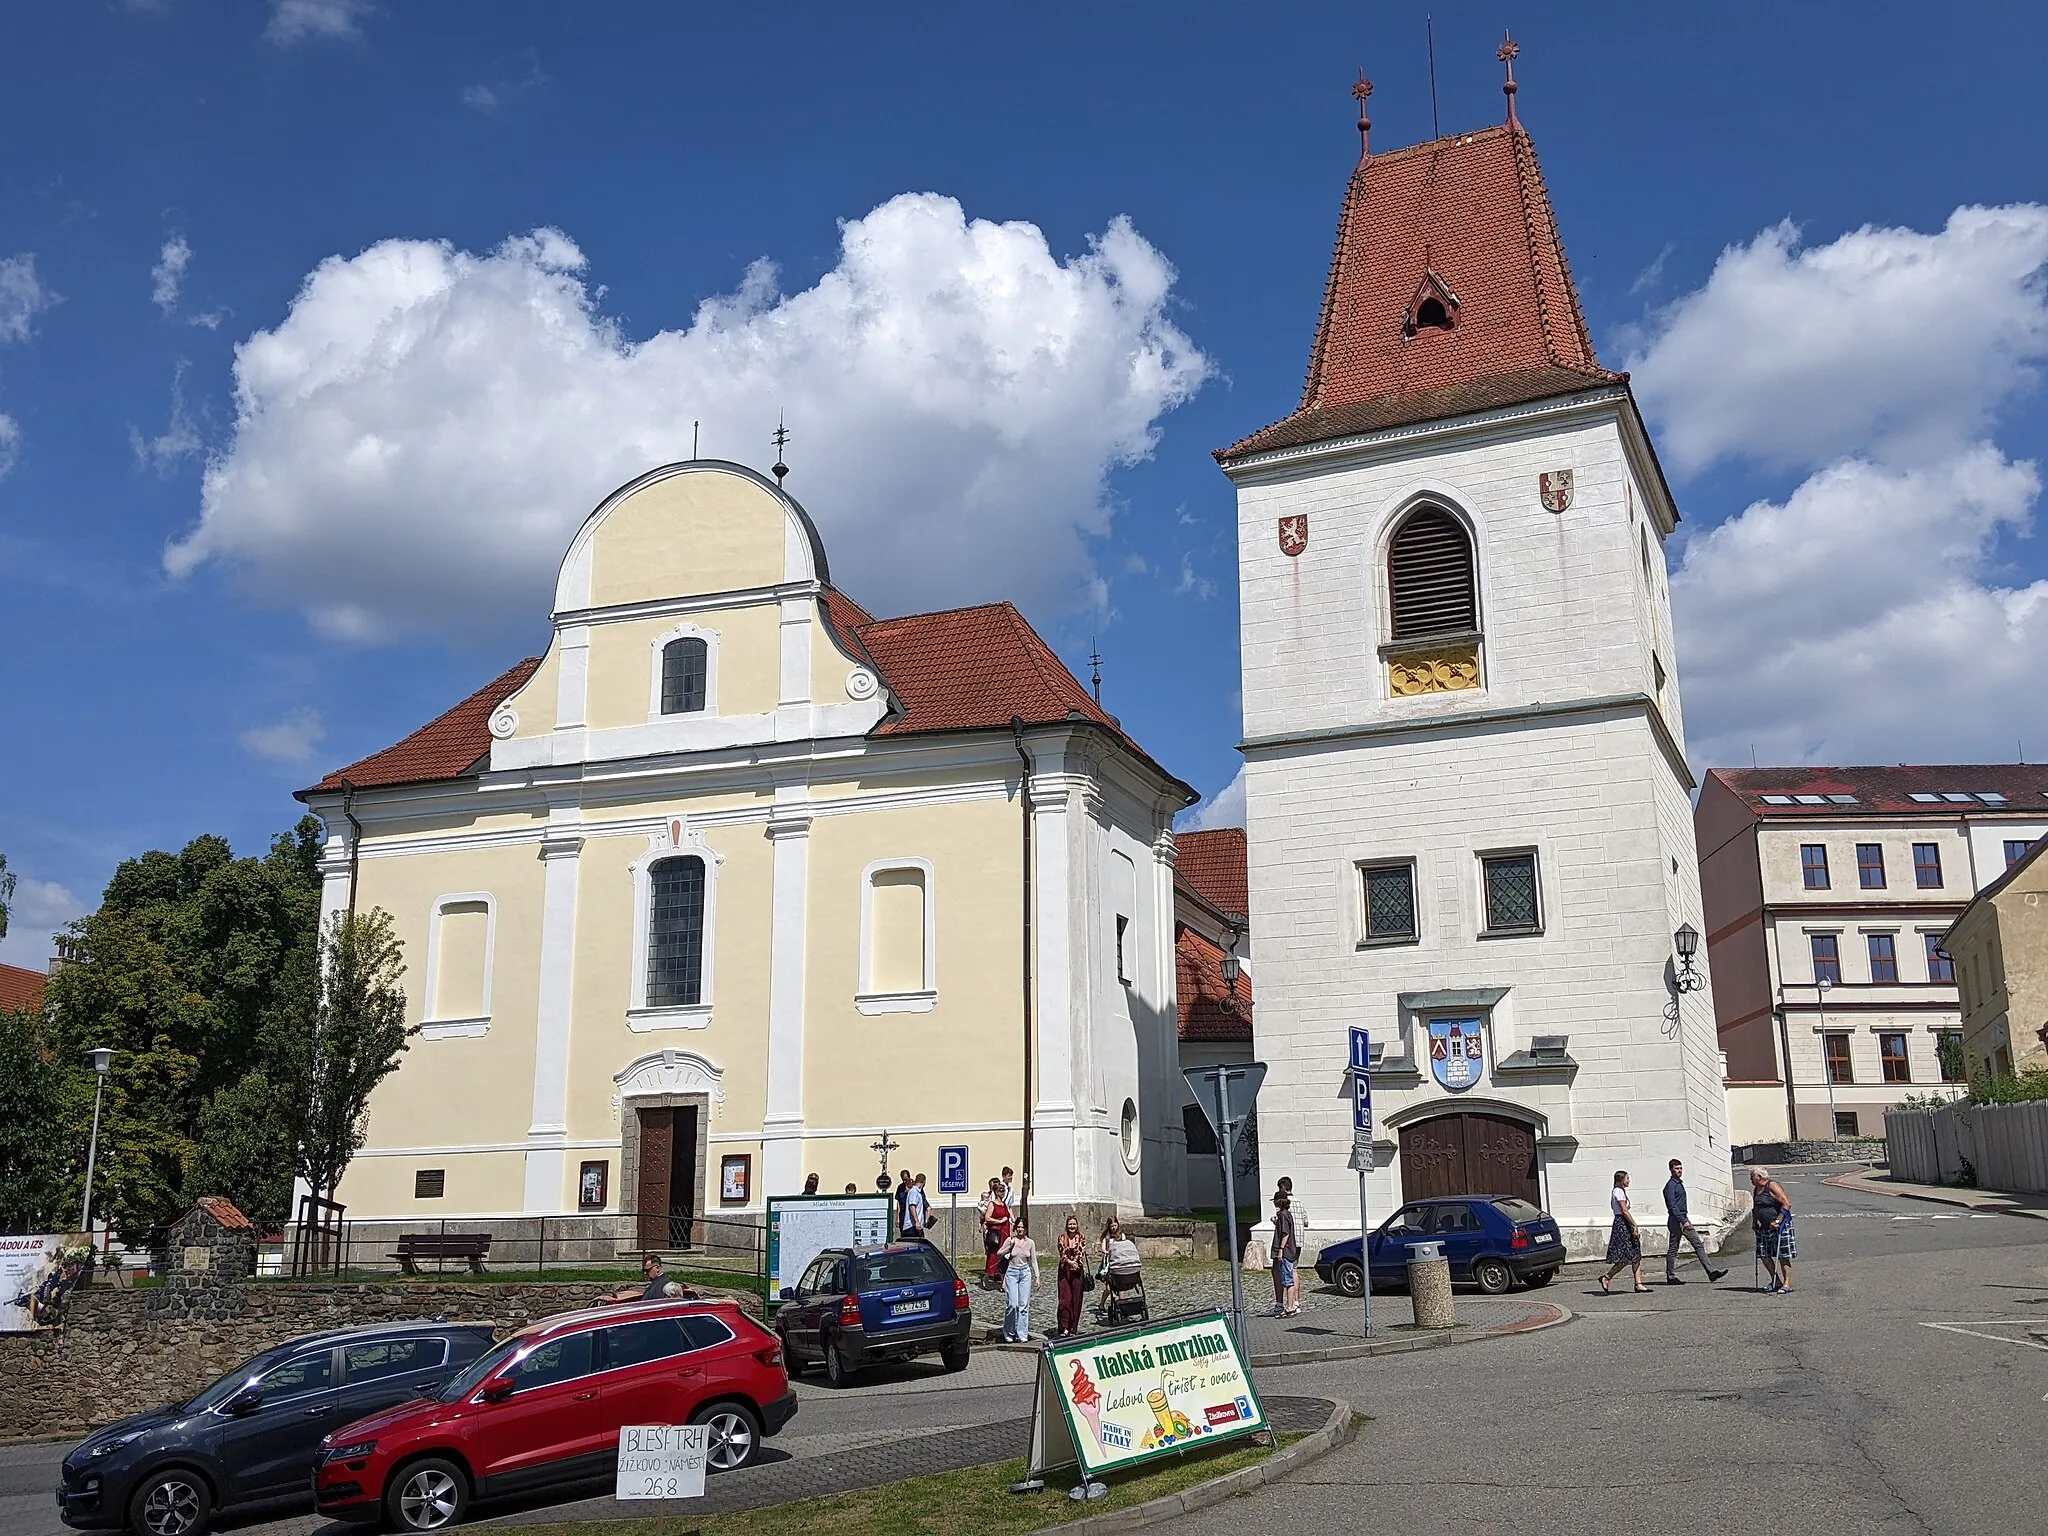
[1991, 1207]
[1337, 1430]
[1435, 1338]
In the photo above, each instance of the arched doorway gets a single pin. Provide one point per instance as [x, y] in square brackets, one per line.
[1469, 1154]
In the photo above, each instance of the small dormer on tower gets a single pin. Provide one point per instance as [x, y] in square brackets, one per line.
[1434, 307]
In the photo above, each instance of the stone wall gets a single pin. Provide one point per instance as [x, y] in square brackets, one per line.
[123, 1351]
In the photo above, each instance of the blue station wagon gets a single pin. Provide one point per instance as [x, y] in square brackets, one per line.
[1493, 1243]
[856, 1306]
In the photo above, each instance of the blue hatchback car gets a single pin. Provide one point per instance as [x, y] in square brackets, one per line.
[1493, 1243]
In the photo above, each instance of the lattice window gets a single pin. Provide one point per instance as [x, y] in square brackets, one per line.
[675, 933]
[1390, 902]
[1429, 577]
[1511, 893]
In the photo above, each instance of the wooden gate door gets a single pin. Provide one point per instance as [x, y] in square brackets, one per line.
[1433, 1158]
[657, 1154]
[682, 1179]
[1469, 1154]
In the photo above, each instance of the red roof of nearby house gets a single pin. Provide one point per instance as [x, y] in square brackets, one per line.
[224, 1211]
[1208, 1008]
[1212, 865]
[1466, 218]
[962, 669]
[1943, 790]
[21, 988]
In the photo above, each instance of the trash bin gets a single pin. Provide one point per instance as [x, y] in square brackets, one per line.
[1429, 1286]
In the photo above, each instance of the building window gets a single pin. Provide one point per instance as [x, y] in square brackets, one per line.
[1813, 865]
[459, 960]
[1939, 966]
[429, 1183]
[1927, 866]
[1128, 1134]
[1891, 1056]
[897, 942]
[1430, 586]
[685, 670]
[2015, 851]
[1948, 1050]
[1827, 958]
[1511, 905]
[1846, 1123]
[1884, 956]
[1200, 1134]
[1837, 1048]
[1389, 903]
[675, 933]
[1870, 866]
[1123, 969]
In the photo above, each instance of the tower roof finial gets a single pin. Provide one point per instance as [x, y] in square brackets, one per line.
[1510, 50]
[1360, 92]
[781, 442]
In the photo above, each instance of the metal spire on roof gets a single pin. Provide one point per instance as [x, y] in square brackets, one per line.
[781, 441]
[1510, 50]
[1359, 93]
[1095, 668]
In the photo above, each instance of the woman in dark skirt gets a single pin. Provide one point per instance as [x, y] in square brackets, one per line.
[1625, 1240]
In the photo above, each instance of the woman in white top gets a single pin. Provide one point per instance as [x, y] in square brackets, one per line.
[1625, 1239]
[1019, 1257]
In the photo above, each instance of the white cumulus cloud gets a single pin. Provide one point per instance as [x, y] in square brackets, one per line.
[419, 437]
[299, 21]
[23, 296]
[290, 740]
[39, 909]
[1223, 809]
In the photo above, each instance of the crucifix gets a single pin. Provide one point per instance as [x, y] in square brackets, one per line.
[882, 1150]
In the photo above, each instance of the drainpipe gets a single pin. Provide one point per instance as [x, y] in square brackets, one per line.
[355, 840]
[1024, 801]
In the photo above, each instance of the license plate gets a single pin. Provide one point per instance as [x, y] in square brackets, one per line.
[905, 1308]
[1545, 1237]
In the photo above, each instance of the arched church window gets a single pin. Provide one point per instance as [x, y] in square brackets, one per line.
[685, 666]
[675, 933]
[1430, 581]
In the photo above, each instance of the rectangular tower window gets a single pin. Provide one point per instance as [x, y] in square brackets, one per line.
[1837, 1049]
[461, 943]
[1939, 966]
[2015, 851]
[1870, 866]
[1884, 957]
[1927, 866]
[1813, 865]
[1123, 969]
[1827, 958]
[896, 924]
[1389, 903]
[1891, 1056]
[1511, 905]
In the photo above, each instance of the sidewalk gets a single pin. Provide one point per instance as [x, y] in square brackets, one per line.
[1989, 1201]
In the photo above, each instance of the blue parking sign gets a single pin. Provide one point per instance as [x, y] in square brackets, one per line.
[1361, 1101]
[952, 1170]
[1361, 1049]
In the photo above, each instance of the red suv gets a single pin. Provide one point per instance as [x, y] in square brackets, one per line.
[545, 1407]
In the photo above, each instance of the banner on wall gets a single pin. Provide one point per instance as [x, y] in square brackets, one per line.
[25, 1263]
[1114, 1400]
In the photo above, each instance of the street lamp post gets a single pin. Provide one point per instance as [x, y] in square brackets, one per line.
[1827, 1070]
[102, 1058]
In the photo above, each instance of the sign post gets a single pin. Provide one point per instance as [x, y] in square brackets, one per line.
[1361, 1153]
[1227, 1094]
[953, 1181]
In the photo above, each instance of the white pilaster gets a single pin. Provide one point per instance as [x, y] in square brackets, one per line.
[547, 1135]
[1055, 1151]
[572, 692]
[1164, 1174]
[782, 1128]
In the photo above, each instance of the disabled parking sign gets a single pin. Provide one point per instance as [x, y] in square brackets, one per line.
[953, 1171]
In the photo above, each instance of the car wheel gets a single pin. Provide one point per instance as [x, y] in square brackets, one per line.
[838, 1372]
[735, 1435]
[172, 1503]
[1541, 1278]
[1492, 1276]
[1350, 1278]
[954, 1356]
[427, 1495]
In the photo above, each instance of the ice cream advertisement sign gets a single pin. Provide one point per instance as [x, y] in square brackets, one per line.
[1124, 1398]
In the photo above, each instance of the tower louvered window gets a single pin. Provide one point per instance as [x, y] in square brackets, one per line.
[1429, 577]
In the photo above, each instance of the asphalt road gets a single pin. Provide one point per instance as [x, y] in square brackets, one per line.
[1897, 1390]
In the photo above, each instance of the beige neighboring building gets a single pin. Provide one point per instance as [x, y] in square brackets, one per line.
[736, 877]
[1848, 877]
[2000, 948]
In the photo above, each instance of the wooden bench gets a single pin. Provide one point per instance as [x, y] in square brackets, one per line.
[474, 1247]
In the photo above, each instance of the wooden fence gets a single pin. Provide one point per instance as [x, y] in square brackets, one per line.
[1995, 1146]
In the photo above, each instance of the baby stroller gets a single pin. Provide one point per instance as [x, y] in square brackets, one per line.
[1123, 1298]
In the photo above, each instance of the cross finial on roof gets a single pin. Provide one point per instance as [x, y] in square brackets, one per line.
[1510, 50]
[1359, 93]
[781, 441]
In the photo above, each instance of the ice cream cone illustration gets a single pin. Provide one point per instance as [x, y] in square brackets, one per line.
[1087, 1401]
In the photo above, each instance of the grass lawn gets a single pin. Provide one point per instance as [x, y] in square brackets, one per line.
[976, 1500]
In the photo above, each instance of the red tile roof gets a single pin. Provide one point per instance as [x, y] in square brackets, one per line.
[225, 1211]
[1208, 1008]
[21, 988]
[1212, 865]
[446, 747]
[1889, 791]
[1471, 213]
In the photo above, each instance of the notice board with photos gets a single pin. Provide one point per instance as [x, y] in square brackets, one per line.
[800, 1227]
[1111, 1400]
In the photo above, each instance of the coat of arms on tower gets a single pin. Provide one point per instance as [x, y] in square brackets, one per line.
[1457, 1052]
[1555, 486]
[1293, 534]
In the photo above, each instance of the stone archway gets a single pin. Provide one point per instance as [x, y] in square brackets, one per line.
[1469, 1153]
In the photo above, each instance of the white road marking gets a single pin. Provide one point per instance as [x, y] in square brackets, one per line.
[1996, 1338]
[1951, 1216]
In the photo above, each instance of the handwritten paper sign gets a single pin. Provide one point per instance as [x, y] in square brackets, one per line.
[662, 1461]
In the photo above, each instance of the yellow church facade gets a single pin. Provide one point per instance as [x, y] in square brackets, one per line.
[737, 878]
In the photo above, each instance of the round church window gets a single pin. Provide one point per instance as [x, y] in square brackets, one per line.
[1130, 1135]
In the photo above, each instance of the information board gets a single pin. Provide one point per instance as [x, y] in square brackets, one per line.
[800, 1227]
[1117, 1399]
[662, 1461]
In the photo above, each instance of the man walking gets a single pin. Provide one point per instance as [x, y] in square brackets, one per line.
[1678, 1224]
[902, 1198]
[917, 1209]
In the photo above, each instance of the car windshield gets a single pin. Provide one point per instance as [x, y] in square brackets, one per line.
[472, 1376]
[228, 1385]
[915, 1266]
[1518, 1210]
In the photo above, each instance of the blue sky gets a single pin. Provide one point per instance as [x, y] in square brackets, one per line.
[1856, 414]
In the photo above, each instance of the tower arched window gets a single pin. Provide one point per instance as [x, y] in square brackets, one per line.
[675, 932]
[685, 667]
[1431, 585]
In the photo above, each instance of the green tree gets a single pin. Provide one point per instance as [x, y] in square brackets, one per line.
[6, 894]
[35, 1098]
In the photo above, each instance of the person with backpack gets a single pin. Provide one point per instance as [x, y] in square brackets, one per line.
[1286, 1255]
